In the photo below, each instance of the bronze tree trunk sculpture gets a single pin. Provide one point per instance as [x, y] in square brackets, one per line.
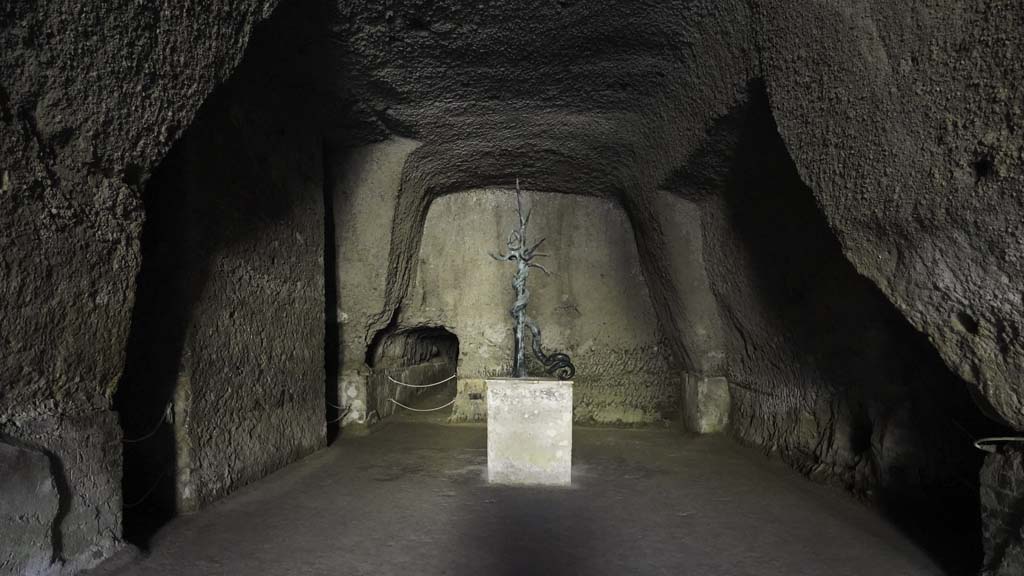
[523, 255]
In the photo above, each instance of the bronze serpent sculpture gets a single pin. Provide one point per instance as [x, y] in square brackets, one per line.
[557, 364]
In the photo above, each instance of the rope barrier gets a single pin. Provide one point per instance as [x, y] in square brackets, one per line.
[163, 417]
[371, 415]
[422, 409]
[422, 385]
[988, 444]
[343, 414]
[148, 492]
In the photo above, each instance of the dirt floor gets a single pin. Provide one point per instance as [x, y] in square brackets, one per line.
[412, 499]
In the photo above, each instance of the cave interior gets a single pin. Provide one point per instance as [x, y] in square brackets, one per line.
[783, 249]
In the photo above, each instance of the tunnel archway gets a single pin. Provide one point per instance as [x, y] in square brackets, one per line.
[412, 371]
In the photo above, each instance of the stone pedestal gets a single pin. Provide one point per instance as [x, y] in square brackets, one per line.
[529, 431]
[705, 403]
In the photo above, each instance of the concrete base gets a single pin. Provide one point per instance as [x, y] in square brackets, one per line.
[529, 431]
[705, 403]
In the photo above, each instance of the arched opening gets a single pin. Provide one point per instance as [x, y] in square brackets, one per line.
[412, 373]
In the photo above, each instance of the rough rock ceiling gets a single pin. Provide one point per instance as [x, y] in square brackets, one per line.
[584, 97]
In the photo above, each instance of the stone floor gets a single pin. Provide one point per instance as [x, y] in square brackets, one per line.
[411, 499]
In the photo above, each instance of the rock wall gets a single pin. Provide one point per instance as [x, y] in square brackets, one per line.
[1002, 497]
[228, 329]
[905, 121]
[363, 184]
[676, 269]
[822, 369]
[92, 97]
[594, 305]
[27, 510]
[408, 365]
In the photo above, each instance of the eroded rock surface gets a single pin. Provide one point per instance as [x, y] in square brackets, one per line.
[228, 327]
[28, 508]
[902, 123]
[92, 97]
[906, 123]
[1002, 498]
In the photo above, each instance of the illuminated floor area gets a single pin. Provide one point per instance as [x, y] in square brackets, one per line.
[411, 499]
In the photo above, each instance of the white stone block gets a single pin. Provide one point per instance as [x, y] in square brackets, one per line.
[529, 431]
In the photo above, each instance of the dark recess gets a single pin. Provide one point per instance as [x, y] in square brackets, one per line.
[332, 328]
[984, 166]
[167, 287]
[967, 322]
[393, 348]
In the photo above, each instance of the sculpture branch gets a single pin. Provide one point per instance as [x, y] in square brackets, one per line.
[558, 364]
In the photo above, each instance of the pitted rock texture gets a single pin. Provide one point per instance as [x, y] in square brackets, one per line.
[362, 184]
[822, 369]
[84, 466]
[28, 507]
[903, 121]
[595, 305]
[229, 323]
[84, 120]
[93, 95]
[1002, 498]
[494, 93]
[482, 89]
[381, 390]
